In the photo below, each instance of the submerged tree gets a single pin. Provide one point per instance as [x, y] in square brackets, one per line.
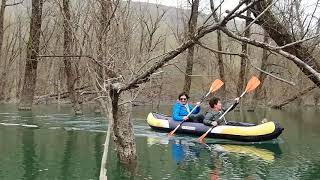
[67, 46]
[30, 74]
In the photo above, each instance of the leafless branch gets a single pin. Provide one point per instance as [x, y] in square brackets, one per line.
[13, 4]
[267, 8]
[246, 56]
[297, 42]
[270, 74]
[293, 58]
[192, 75]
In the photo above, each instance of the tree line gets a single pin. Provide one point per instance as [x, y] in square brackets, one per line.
[115, 53]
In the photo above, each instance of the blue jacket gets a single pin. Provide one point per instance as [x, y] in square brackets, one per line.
[179, 110]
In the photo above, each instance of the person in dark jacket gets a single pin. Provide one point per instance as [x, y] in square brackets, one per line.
[182, 108]
[212, 118]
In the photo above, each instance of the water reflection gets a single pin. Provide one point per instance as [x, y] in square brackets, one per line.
[67, 147]
[183, 152]
[67, 160]
[222, 159]
[30, 159]
[187, 150]
[267, 154]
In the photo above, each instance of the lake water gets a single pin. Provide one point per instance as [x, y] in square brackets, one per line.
[51, 143]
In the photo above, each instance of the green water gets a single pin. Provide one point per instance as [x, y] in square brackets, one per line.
[50, 143]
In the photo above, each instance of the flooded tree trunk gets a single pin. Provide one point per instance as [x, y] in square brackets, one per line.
[122, 128]
[220, 64]
[30, 75]
[262, 76]
[190, 52]
[243, 64]
[70, 72]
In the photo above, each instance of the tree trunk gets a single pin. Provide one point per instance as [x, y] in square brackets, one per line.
[220, 64]
[30, 75]
[3, 78]
[243, 64]
[281, 35]
[190, 52]
[122, 128]
[69, 70]
[262, 76]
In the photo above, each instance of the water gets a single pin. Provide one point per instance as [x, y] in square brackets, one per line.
[50, 143]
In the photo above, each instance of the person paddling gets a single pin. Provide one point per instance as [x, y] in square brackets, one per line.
[212, 118]
[182, 108]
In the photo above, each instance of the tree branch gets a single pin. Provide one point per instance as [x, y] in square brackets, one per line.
[296, 60]
[13, 4]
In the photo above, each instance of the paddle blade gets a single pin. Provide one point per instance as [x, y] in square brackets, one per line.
[201, 138]
[216, 85]
[173, 131]
[253, 83]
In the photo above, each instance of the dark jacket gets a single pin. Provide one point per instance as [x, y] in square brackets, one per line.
[214, 116]
[179, 111]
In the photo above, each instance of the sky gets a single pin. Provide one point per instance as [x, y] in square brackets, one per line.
[308, 5]
[204, 4]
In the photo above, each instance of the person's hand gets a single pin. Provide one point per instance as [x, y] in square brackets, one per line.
[185, 118]
[237, 99]
[198, 103]
[214, 123]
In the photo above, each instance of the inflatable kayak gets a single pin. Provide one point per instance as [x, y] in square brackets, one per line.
[247, 132]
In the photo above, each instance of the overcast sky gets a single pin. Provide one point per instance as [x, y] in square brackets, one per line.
[307, 5]
[204, 4]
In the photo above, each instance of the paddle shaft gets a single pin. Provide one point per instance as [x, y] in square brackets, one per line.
[222, 116]
[230, 107]
[218, 118]
[252, 84]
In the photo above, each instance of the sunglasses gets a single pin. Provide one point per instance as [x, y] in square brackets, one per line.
[183, 99]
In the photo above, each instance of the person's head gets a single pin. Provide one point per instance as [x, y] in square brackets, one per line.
[215, 103]
[183, 98]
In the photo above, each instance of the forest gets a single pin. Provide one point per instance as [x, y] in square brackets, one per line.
[118, 54]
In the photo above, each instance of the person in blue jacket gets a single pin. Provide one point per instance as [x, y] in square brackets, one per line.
[182, 108]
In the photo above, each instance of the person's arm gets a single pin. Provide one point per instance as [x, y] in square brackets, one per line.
[233, 104]
[196, 111]
[212, 119]
[208, 119]
[175, 113]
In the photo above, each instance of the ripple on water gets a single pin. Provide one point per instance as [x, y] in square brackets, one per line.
[10, 124]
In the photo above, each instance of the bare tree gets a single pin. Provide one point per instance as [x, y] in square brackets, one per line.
[243, 64]
[264, 63]
[192, 25]
[31, 60]
[3, 77]
[282, 36]
[69, 70]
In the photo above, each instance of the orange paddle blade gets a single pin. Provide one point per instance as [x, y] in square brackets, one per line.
[171, 133]
[216, 85]
[253, 83]
[200, 139]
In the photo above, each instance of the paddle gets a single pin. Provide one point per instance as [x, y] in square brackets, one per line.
[214, 87]
[252, 84]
